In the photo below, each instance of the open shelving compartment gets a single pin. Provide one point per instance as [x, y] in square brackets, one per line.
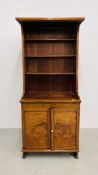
[50, 58]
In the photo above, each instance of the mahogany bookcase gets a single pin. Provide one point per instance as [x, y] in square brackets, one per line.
[50, 102]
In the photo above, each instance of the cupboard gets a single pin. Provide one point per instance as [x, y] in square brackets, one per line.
[50, 102]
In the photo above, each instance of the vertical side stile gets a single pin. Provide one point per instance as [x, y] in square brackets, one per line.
[77, 47]
[23, 61]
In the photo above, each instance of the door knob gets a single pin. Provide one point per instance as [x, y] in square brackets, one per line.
[51, 130]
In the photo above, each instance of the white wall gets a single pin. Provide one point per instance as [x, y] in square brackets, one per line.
[11, 63]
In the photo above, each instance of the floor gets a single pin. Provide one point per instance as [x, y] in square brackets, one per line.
[11, 162]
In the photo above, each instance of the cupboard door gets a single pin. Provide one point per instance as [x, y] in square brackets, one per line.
[64, 129]
[37, 129]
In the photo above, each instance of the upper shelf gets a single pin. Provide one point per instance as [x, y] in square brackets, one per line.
[26, 19]
[52, 73]
[49, 40]
[49, 56]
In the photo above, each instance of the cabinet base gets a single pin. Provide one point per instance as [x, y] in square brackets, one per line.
[75, 155]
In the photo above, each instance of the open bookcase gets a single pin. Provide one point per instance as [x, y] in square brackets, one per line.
[50, 60]
[50, 57]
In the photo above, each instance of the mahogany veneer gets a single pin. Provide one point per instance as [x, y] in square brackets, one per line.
[50, 102]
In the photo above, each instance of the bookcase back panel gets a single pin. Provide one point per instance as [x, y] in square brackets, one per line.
[50, 34]
[50, 48]
[51, 65]
[50, 30]
[56, 86]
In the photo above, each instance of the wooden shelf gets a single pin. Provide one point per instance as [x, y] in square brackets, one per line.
[50, 96]
[50, 56]
[46, 73]
[43, 40]
[31, 98]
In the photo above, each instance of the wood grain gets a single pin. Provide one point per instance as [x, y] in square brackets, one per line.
[37, 129]
[64, 129]
[50, 103]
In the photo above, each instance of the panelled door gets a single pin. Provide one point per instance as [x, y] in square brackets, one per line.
[37, 129]
[64, 129]
[50, 129]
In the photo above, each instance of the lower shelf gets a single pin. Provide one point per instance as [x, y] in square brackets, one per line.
[50, 95]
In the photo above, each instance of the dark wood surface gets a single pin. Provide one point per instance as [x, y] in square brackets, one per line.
[42, 43]
[50, 101]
